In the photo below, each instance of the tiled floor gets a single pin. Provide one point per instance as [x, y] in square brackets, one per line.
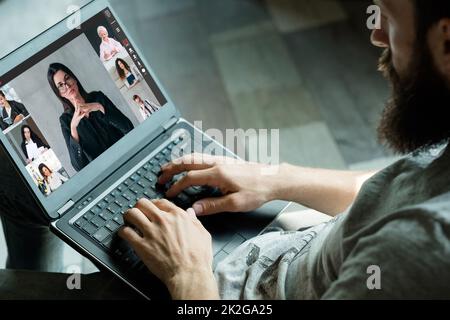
[305, 67]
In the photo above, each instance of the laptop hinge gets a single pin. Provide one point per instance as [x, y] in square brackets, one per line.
[169, 124]
[66, 207]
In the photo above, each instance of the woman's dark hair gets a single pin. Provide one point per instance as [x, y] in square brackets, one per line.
[428, 13]
[52, 70]
[41, 170]
[2, 94]
[33, 136]
[120, 70]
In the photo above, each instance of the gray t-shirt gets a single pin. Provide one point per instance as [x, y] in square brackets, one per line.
[393, 243]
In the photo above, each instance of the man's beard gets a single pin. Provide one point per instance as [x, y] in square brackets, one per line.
[415, 117]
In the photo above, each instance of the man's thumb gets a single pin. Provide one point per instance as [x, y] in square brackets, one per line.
[210, 206]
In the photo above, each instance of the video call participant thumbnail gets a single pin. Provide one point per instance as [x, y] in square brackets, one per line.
[146, 108]
[52, 180]
[109, 47]
[31, 143]
[11, 112]
[129, 78]
[90, 123]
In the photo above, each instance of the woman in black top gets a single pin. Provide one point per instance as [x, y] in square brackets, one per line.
[29, 137]
[91, 123]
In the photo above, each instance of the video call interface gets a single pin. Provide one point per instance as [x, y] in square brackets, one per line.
[68, 104]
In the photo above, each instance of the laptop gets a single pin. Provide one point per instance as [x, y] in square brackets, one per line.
[116, 158]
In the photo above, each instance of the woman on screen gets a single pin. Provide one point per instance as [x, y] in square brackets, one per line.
[31, 144]
[109, 47]
[90, 123]
[125, 74]
[53, 180]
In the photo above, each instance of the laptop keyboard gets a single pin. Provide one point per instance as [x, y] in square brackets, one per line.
[102, 221]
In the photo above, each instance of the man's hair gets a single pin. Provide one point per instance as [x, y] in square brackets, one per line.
[2, 94]
[136, 97]
[428, 13]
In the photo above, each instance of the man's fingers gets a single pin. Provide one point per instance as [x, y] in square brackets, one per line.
[167, 206]
[149, 209]
[138, 219]
[189, 162]
[192, 178]
[131, 236]
[228, 203]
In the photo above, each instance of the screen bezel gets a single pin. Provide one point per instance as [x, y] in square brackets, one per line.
[84, 181]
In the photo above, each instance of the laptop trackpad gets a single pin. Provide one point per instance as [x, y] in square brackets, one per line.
[229, 230]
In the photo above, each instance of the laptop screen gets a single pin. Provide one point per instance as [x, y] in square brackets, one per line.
[64, 107]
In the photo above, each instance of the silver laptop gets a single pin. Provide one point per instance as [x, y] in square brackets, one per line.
[90, 167]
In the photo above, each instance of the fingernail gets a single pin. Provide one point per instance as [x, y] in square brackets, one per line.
[198, 208]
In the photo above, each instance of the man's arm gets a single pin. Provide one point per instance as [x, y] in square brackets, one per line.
[248, 186]
[327, 191]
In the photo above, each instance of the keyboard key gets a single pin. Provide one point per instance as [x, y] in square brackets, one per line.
[101, 234]
[98, 222]
[106, 215]
[150, 177]
[96, 210]
[183, 201]
[114, 208]
[102, 204]
[136, 189]
[144, 183]
[81, 222]
[149, 194]
[89, 228]
[147, 166]
[128, 182]
[115, 193]
[88, 215]
[107, 199]
[128, 195]
[108, 242]
[131, 259]
[192, 192]
[121, 202]
[119, 219]
[112, 226]
[156, 170]
[134, 177]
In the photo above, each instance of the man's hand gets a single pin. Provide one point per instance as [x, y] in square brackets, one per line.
[175, 247]
[244, 185]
